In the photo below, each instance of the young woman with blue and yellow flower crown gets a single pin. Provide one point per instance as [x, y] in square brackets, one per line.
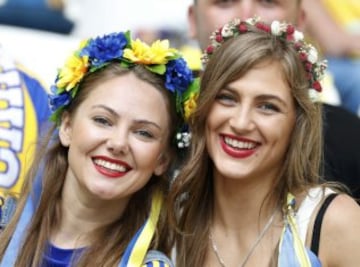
[95, 193]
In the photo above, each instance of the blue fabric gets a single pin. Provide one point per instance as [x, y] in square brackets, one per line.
[127, 253]
[34, 14]
[157, 256]
[15, 243]
[39, 98]
[287, 255]
[13, 248]
[58, 257]
[346, 73]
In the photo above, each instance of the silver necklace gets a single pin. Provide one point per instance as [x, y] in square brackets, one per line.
[257, 241]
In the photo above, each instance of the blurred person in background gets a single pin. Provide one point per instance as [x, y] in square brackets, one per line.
[46, 15]
[23, 115]
[335, 25]
[341, 128]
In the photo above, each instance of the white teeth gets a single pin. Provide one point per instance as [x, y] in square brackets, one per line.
[239, 144]
[110, 165]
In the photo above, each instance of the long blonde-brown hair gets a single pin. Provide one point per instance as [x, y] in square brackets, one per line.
[192, 193]
[109, 242]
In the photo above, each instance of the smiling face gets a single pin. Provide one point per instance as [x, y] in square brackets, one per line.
[207, 15]
[249, 125]
[117, 138]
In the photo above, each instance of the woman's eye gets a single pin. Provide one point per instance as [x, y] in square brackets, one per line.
[225, 98]
[225, 2]
[268, 2]
[102, 121]
[145, 133]
[269, 107]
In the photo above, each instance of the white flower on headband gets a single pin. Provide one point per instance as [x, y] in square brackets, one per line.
[298, 36]
[252, 21]
[275, 28]
[312, 55]
[236, 21]
[184, 139]
[314, 95]
[285, 33]
[226, 31]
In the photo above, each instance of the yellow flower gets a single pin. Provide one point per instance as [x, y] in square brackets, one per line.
[190, 105]
[73, 71]
[158, 53]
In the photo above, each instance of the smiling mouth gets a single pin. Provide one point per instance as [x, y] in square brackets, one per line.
[111, 166]
[236, 144]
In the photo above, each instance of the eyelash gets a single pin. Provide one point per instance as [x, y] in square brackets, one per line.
[102, 121]
[145, 133]
[228, 99]
[225, 98]
[224, 3]
[269, 107]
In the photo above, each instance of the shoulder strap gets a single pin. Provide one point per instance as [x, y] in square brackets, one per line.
[315, 240]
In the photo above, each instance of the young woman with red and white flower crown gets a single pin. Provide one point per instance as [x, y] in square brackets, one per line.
[250, 193]
[95, 192]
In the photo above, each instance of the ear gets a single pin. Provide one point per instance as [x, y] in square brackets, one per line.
[163, 164]
[65, 130]
[192, 21]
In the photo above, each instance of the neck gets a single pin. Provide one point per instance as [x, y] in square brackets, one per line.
[81, 215]
[238, 204]
[247, 221]
[246, 225]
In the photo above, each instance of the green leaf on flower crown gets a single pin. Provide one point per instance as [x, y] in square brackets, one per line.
[158, 69]
[175, 56]
[59, 90]
[74, 91]
[194, 87]
[126, 64]
[95, 68]
[178, 101]
[54, 117]
[128, 39]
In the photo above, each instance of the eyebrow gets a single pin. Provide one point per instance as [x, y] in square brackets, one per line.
[272, 97]
[262, 96]
[114, 113]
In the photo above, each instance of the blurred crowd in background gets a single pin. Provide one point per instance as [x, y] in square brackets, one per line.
[40, 33]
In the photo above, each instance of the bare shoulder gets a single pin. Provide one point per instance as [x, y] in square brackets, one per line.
[340, 234]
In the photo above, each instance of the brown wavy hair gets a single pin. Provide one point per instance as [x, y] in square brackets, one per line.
[192, 193]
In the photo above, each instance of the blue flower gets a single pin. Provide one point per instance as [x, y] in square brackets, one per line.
[106, 48]
[177, 76]
[58, 100]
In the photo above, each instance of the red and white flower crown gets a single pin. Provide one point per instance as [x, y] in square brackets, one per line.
[286, 32]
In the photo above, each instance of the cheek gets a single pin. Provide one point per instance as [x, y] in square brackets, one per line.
[282, 133]
[148, 155]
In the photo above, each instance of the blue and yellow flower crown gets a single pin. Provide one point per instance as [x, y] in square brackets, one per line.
[95, 54]
[286, 32]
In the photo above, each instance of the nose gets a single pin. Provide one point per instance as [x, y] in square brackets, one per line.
[242, 120]
[118, 142]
